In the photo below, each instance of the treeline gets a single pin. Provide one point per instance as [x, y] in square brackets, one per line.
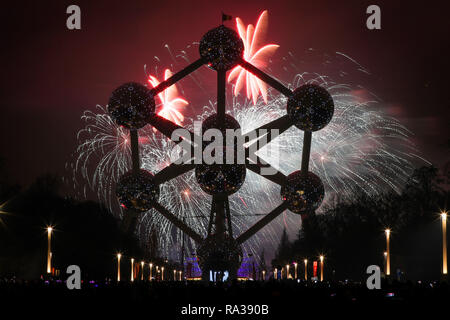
[351, 234]
[85, 233]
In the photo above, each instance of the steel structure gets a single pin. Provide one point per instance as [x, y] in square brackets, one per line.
[309, 108]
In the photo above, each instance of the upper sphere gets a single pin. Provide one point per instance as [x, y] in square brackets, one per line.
[310, 107]
[221, 47]
[131, 104]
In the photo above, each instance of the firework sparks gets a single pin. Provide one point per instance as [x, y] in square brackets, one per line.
[171, 103]
[256, 54]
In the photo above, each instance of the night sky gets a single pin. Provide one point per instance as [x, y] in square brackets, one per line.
[50, 74]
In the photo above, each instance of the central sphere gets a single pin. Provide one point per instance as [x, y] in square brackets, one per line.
[219, 253]
[221, 47]
[131, 104]
[302, 192]
[310, 107]
[220, 178]
[137, 191]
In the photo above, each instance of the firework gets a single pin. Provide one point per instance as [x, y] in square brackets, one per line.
[255, 53]
[172, 105]
[361, 150]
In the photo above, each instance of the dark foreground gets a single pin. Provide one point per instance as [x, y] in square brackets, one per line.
[284, 299]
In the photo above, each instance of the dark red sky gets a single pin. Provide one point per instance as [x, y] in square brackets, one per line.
[50, 75]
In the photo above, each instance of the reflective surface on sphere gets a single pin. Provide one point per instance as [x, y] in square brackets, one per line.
[219, 253]
[137, 192]
[303, 193]
[131, 104]
[220, 178]
[221, 47]
[212, 122]
[310, 107]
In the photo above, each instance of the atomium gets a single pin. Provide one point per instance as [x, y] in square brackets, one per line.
[221, 47]
[137, 191]
[131, 104]
[302, 192]
[310, 107]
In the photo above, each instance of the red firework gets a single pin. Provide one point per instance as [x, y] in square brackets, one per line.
[171, 103]
[257, 54]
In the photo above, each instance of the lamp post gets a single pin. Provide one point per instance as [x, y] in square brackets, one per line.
[181, 273]
[275, 274]
[264, 275]
[142, 270]
[118, 266]
[287, 271]
[151, 267]
[162, 273]
[388, 254]
[132, 269]
[306, 269]
[385, 257]
[174, 275]
[321, 268]
[49, 250]
[295, 270]
[444, 242]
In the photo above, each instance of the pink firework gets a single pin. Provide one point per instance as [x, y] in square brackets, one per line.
[257, 54]
[171, 103]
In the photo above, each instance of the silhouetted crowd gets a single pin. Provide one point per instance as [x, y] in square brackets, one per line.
[283, 297]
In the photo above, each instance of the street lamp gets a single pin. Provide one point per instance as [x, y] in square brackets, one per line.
[162, 273]
[306, 269]
[142, 270]
[151, 266]
[264, 275]
[287, 271]
[388, 254]
[321, 268]
[174, 275]
[49, 252]
[118, 266]
[275, 274]
[444, 242]
[180, 272]
[132, 271]
[295, 270]
[385, 258]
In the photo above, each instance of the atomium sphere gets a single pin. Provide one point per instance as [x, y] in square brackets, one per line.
[217, 179]
[137, 192]
[220, 178]
[221, 48]
[131, 104]
[310, 107]
[303, 193]
[219, 253]
[212, 122]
